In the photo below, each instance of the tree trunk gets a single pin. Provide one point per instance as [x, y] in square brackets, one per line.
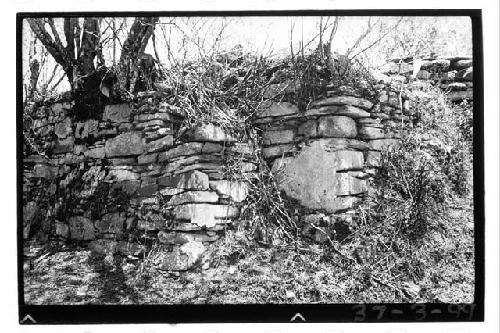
[78, 57]
[134, 46]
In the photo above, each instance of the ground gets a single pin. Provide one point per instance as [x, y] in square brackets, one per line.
[245, 272]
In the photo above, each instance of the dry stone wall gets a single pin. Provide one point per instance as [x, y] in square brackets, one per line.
[325, 155]
[132, 178]
[137, 176]
[453, 74]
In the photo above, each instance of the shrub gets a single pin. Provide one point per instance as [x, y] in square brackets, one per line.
[419, 179]
[268, 212]
[446, 130]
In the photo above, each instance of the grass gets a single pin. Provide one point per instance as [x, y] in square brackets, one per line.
[242, 271]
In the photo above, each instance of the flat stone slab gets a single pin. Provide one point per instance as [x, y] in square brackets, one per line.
[194, 197]
[278, 110]
[338, 110]
[211, 133]
[125, 144]
[205, 215]
[279, 150]
[337, 127]
[312, 177]
[117, 113]
[236, 190]
[81, 228]
[193, 180]
[276, 137]
[182, 258]
[345, 100]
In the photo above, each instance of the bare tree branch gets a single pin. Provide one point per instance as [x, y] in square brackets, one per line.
[379, 39]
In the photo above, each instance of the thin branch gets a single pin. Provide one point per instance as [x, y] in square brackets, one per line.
[378, 40]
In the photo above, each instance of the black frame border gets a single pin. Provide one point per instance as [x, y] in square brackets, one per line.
[270, 313]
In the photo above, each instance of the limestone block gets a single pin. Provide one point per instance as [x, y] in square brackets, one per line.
[338, 110]
[193, 180]
[97, 153]
[371, 133]
[45, 171]
[242, 148]
[62, 229]
[345, 100]
[372, 121]
[205, 215]
[382, 144]
[458, 96]
[186, 149]
[349, 185]
[337, 127]
[202, 167]
[147, 190]
[63, 129]
[179, 238]
[311, 177]
[436, 65]
[117, 113]
[125, 144]
[456, 86]
[309, 129]
[152, 116]
[210, 132]
[212, 148]
[81, 228]
[194, 197]
[111, 223]
[465, 74]
[122, 174]
[128, 186]
[58, 109]
[147, 158]
[339, 144]
[182, 258]
[171, 191]
[151, 124]
[276, 137]
[64, 146]
[279, 150]
[461, 64]
[236, 190]
[449, 76]
[278, 110]
[160, 144]
[423, 75]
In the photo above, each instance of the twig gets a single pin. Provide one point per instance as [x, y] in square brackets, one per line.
[333, 244]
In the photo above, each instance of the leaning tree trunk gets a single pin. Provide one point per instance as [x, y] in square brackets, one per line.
[134, 46]
[77, 57]
[83, 47]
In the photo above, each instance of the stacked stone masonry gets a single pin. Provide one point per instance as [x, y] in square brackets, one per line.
[453, 74]
[325, 155]
[137, 177]
[173, 182]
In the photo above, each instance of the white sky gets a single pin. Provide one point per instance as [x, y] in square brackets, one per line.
[271, 35]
